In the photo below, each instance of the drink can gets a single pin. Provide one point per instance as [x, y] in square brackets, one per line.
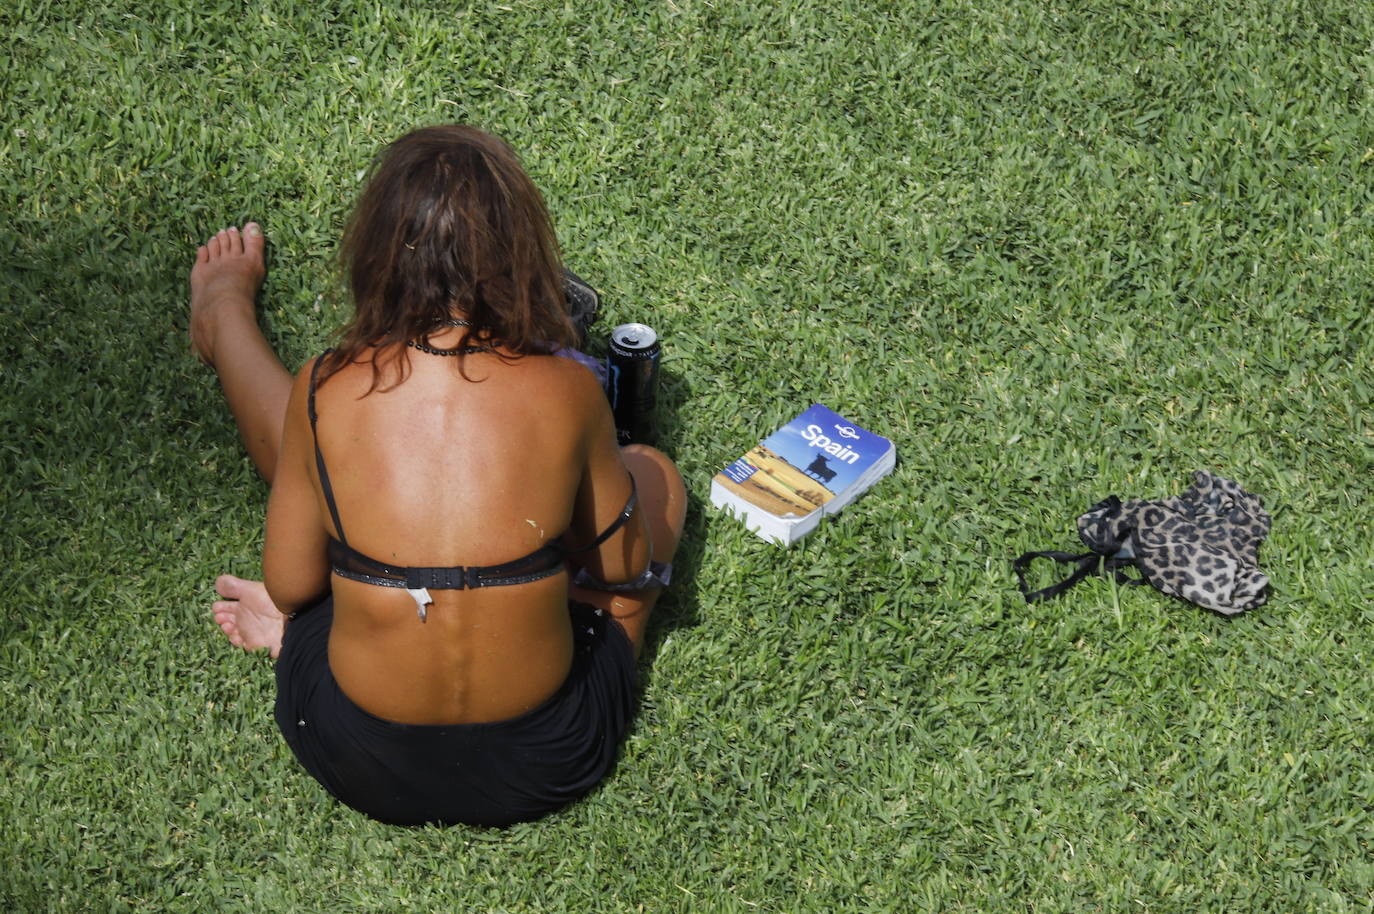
[632, 381]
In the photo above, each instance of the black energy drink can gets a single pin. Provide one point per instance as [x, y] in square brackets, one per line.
[632, 381]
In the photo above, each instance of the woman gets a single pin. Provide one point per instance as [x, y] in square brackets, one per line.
[436, 482]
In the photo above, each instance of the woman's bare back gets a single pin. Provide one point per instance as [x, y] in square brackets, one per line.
[442, 471]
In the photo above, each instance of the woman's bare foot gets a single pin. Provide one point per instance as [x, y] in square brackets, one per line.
[228, 271]
[247, 615]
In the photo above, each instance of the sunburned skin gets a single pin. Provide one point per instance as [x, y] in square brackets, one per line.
[455, 666]
[477, 488]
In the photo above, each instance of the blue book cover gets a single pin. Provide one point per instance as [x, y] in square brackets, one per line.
[801, 467]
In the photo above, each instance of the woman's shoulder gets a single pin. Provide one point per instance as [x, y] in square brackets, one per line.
[571, 372]
[571, 385]
[315, 370]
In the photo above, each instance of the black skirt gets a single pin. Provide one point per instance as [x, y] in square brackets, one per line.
[480, 774]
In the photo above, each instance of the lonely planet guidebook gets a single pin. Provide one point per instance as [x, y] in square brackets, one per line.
[814, 465]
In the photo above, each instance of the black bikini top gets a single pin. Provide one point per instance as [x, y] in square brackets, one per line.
[349, 563]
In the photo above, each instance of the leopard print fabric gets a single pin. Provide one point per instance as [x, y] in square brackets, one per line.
[1202, 546]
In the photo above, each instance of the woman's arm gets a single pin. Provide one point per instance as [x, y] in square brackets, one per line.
[295, 566]
[601, 498]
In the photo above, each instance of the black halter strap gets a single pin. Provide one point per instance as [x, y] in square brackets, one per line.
[319, 457]
[1089, 563]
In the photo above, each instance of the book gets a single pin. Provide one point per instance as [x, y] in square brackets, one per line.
[813, 466]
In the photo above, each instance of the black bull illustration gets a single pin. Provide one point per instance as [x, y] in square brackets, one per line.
[820, 469]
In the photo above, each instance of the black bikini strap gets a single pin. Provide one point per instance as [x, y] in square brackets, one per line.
[615, 524]
[1089, 563]
[319, 457]
[348, 562]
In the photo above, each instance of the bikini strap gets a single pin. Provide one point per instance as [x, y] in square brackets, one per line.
[319, 457]
[615, 524]
[656, 574]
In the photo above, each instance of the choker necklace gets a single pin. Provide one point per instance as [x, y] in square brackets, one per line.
[461, 350]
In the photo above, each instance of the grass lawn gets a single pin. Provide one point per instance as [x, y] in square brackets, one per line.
[1054, 251]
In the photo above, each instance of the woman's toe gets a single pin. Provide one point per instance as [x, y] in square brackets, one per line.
[229, 587]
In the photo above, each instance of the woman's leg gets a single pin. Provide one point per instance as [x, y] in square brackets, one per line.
[663, 499]
[228, 271]
[225, 279]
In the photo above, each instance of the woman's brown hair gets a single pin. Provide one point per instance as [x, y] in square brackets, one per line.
[450, 224]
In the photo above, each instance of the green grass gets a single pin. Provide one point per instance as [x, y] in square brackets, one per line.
[1054, 252]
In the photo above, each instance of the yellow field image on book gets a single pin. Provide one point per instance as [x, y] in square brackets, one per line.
[773, 484]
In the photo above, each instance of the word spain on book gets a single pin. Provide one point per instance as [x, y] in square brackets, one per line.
[812, 466]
